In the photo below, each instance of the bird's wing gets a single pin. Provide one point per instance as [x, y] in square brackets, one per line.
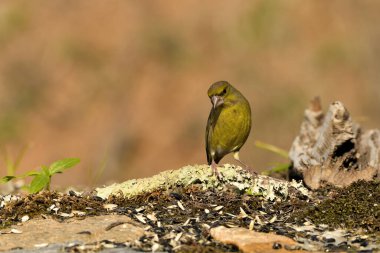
[212, 118]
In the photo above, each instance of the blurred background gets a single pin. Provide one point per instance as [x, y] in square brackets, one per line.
[122, 84]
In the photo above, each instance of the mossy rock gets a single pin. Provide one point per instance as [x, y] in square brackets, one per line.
[270, 188]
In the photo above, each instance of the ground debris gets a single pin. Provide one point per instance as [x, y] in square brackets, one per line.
[356, 206]
[169, 226]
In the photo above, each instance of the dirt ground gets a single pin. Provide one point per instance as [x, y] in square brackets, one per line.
[180, 219]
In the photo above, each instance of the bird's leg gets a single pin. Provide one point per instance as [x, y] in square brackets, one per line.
[251, 170]
[215, 171]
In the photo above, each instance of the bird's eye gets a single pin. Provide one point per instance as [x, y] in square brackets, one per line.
[223, 91]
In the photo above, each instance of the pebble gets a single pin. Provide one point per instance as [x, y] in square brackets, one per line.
[277, 245]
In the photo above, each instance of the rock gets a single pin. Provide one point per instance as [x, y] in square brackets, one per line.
[252, 241]
[270, 188]
[38, 232]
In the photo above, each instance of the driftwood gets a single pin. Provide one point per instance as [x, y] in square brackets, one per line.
[333, 149]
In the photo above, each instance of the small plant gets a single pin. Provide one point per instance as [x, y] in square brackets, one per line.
[278, 167]
[94, 174]
[42, 178]
[12, 164]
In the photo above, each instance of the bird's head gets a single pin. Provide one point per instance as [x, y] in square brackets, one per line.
[219, 92]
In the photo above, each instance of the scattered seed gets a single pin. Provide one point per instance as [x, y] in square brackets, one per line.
[41, 245]
[207, 211]
[78, 213]
[140, 209]
[141, 218]
[206, 225]
[174, 244]
[155, 247]
[186, 222]
[170, 235]
[81, 247]
[243, 214]
[66, 215]
[152, 217]
[330, 240]
[251, 225]
[276, 245]
[72, 244]
[108, 245]
[231, 225]
[84, 232]
[15, 231]
[155, 238]
[178, 236]
[110, 207]
[176, 195]
[180, 205]
[274, 218]
[24, 218]
[114, 224]
[258, 220]
[218, 208]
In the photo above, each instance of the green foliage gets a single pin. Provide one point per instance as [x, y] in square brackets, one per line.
[251, 192]
[272, 148]
[278, 167]
[13, 164]
[95, 174]
[42, 178]
[7, 179]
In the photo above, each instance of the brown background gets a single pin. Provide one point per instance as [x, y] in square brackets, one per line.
[122, 84]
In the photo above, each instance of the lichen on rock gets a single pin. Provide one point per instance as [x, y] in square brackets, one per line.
[270, 188]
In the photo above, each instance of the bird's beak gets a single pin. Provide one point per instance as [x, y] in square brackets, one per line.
[217, 101]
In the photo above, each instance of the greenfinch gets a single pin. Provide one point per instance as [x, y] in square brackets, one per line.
[228, 125]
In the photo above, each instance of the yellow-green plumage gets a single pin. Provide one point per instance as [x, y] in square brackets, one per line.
[229, 122]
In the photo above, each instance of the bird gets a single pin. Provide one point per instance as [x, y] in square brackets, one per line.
[228, 125]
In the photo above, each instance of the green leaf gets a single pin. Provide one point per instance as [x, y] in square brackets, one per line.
[280, 167]
[272, 148]
[6, 179]
[31, 174]
[61, 165]
[13, 164]
[39, 182]
[45, 170]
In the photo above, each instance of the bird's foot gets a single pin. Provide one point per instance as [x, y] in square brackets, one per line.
[216, 172]
[246, 167]
[251, 170]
